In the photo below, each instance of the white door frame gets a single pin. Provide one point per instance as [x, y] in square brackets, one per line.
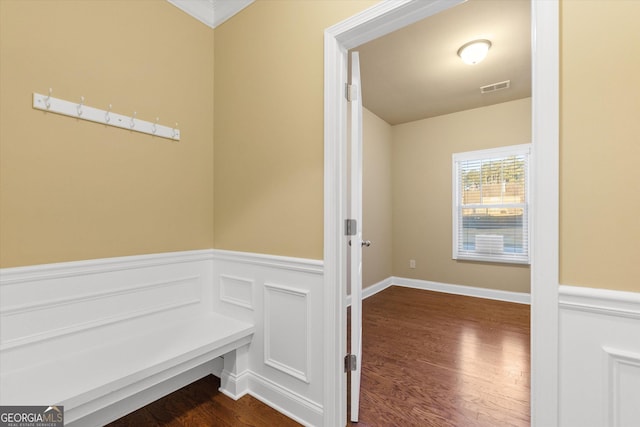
[377, 21]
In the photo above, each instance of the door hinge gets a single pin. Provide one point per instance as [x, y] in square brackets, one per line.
[350, 92]
[350, 362]
[350, 227]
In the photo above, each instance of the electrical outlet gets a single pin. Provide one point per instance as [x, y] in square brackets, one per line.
[412, 263]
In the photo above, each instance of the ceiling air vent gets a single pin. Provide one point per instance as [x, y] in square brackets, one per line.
[495, 86]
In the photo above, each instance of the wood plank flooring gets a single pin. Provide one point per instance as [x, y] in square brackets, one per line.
[200, 404]
[434, 359]
[430, 359]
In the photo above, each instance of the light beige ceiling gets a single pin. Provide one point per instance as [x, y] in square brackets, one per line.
[415, 72]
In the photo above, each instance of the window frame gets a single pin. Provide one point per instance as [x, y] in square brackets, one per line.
[479, 155]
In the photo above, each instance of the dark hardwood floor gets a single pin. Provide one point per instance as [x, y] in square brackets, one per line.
[434, 359]
[429, 359]
[200, 404]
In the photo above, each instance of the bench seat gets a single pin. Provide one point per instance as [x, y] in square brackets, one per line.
[88, 380]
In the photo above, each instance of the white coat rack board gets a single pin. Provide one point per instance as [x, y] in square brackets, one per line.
[106, 117]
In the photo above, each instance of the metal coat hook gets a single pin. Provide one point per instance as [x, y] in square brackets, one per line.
[107, 117]
[47, 100]
[81, 111]
[80, 105]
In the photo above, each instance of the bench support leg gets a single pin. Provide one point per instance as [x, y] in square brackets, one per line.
[234, 379]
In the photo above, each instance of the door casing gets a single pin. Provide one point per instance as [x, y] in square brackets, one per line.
[381, 19]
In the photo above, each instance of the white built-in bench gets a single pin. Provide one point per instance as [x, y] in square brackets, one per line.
[103, 338]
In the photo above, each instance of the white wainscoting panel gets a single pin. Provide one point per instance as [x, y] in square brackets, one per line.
[285, 355]
[286, 330]
[46, 309]
[624, 384]
[599, 357]
[50, 308]
[236, 290]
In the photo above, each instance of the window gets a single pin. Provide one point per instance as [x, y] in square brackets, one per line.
[491, 205]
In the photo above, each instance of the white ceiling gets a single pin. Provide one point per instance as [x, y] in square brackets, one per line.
[415, 72]
[211, 12]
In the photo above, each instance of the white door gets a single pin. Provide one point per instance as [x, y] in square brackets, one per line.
[355, 208]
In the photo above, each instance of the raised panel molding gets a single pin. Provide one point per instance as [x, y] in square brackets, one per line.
[286, 330]
[599, 357]
[624, 387]
[286, 359]
[237, 291]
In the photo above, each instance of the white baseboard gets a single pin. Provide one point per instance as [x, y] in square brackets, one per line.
[285, 401]
[234, 385]
[599, 357]
[494, 294]
[373, 289]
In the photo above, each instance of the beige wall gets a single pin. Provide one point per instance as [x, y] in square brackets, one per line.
[76, 190]
[269, 126]
[278, 206]
[422, 192]
[72, 190]
[376, 199]
[600, 145]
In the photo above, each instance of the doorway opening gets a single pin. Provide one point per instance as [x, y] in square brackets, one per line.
[383, 19]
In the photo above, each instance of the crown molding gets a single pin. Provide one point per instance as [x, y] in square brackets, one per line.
[211, 12]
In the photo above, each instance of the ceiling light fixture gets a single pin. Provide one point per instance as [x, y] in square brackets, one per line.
[475, 51]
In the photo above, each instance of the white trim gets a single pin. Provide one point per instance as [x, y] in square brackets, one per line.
[225, 9]
[122, 290]
[491, 153]
[301, 375]
[544, 215]
[279, 398]
[616, 360]
[601, 301]
[599, 382]
[226, 280]
[379, 20]
[384, 18]
[471, 291]
[334, 316]
[16, 275]
[234, 385]
[303, 265]
[372, 290]
[427, 285]
[213, 12]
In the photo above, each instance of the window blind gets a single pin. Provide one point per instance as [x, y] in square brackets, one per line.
[491, 205]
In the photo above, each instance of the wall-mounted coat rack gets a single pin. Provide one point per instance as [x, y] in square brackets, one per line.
[106, 117]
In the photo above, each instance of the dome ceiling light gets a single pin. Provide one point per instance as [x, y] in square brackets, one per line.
[475, 51]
